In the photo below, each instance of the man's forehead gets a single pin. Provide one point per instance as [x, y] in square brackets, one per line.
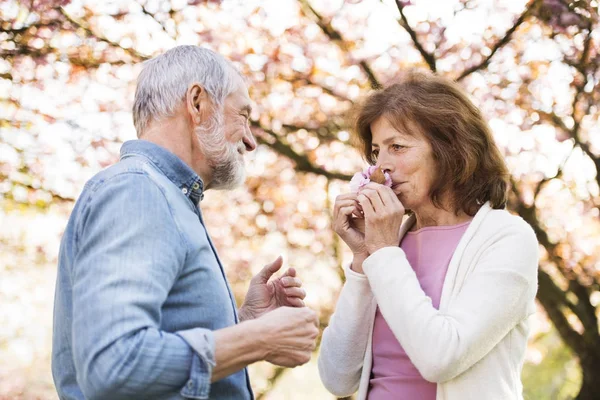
[240, 99]
[241, 93]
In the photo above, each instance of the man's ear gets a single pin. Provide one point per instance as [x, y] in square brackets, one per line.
[197, 103]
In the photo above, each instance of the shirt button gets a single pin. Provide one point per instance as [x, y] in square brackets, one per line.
[184, 190]
[196, 186]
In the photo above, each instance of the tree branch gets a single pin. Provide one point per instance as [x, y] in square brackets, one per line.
[56, 198]
[500, 43]
[38, 25]
[278, 373]
[337, 38]
[428, 57]
[574, 132]
[137, 56]
[161, 24]
[551, 296]
[559, 172]
[580, 88]
[303, 164]
[587, 312]
[308, 80]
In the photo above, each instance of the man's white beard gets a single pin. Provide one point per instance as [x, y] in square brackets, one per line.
[224, 158]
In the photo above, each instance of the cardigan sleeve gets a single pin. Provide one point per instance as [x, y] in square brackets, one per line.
[345, 340]
[494, 298]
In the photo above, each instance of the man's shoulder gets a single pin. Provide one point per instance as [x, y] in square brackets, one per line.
[132, 169]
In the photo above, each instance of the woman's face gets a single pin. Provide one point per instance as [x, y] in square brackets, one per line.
[408, 158]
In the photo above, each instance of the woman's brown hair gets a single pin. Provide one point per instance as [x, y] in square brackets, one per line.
[469, 165]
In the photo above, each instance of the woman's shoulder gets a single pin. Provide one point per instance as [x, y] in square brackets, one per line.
[505, 221]
[508, 233]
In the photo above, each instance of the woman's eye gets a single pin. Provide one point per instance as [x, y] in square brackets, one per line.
[397, 147]
[374, 153]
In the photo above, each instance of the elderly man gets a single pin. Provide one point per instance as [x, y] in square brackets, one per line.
[143, 309]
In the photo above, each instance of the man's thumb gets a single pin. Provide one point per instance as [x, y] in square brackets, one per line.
[265, 274]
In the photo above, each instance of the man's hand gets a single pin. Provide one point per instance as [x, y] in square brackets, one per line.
[264, 295]
[285, 336]
[289, 335]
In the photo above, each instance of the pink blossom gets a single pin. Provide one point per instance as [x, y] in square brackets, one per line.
[361, 179]
[44, 5]
[358, 181]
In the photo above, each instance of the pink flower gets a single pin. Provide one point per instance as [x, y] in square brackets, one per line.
[360, 179]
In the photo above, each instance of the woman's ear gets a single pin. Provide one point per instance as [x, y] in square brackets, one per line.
[197, 103]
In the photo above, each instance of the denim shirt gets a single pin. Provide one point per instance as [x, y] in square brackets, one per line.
[140, 287]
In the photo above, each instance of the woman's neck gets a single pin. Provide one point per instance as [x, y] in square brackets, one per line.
[434, 216]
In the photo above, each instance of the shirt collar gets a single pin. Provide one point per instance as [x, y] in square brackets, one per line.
[169, 164]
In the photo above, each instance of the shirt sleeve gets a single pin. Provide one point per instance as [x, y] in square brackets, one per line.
[494, 299]
[129, 253]
[344, 342]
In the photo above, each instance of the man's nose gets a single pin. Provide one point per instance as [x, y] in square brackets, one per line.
[249, 141]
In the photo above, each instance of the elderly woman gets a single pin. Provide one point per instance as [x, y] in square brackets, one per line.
[436, 307]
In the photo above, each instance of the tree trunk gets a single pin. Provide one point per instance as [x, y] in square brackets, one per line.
[590, 366]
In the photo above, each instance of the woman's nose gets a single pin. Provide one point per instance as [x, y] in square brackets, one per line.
[385, 167]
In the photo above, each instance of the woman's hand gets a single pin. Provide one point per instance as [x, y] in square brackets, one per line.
[383, 216]
[345, 216]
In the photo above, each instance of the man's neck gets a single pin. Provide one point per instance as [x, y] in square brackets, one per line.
[175, 135]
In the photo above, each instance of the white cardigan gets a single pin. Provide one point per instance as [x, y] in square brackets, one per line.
[473, 347]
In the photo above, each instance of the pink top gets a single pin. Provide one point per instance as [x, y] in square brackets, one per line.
[394, 376]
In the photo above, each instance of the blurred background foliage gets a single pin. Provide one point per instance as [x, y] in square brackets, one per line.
[67, 75]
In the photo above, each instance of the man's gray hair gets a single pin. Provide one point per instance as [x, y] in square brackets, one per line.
[164, 80]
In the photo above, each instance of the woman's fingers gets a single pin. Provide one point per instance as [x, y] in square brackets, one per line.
[388, 198]
[348, 210]
[343, 201]
[358, 224]
[366, 205]
[340, 221]
[374, 198]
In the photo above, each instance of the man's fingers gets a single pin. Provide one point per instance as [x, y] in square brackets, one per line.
[295, 302]
[290, 272]
[290, 281]
[295, 292]
[265, 274]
